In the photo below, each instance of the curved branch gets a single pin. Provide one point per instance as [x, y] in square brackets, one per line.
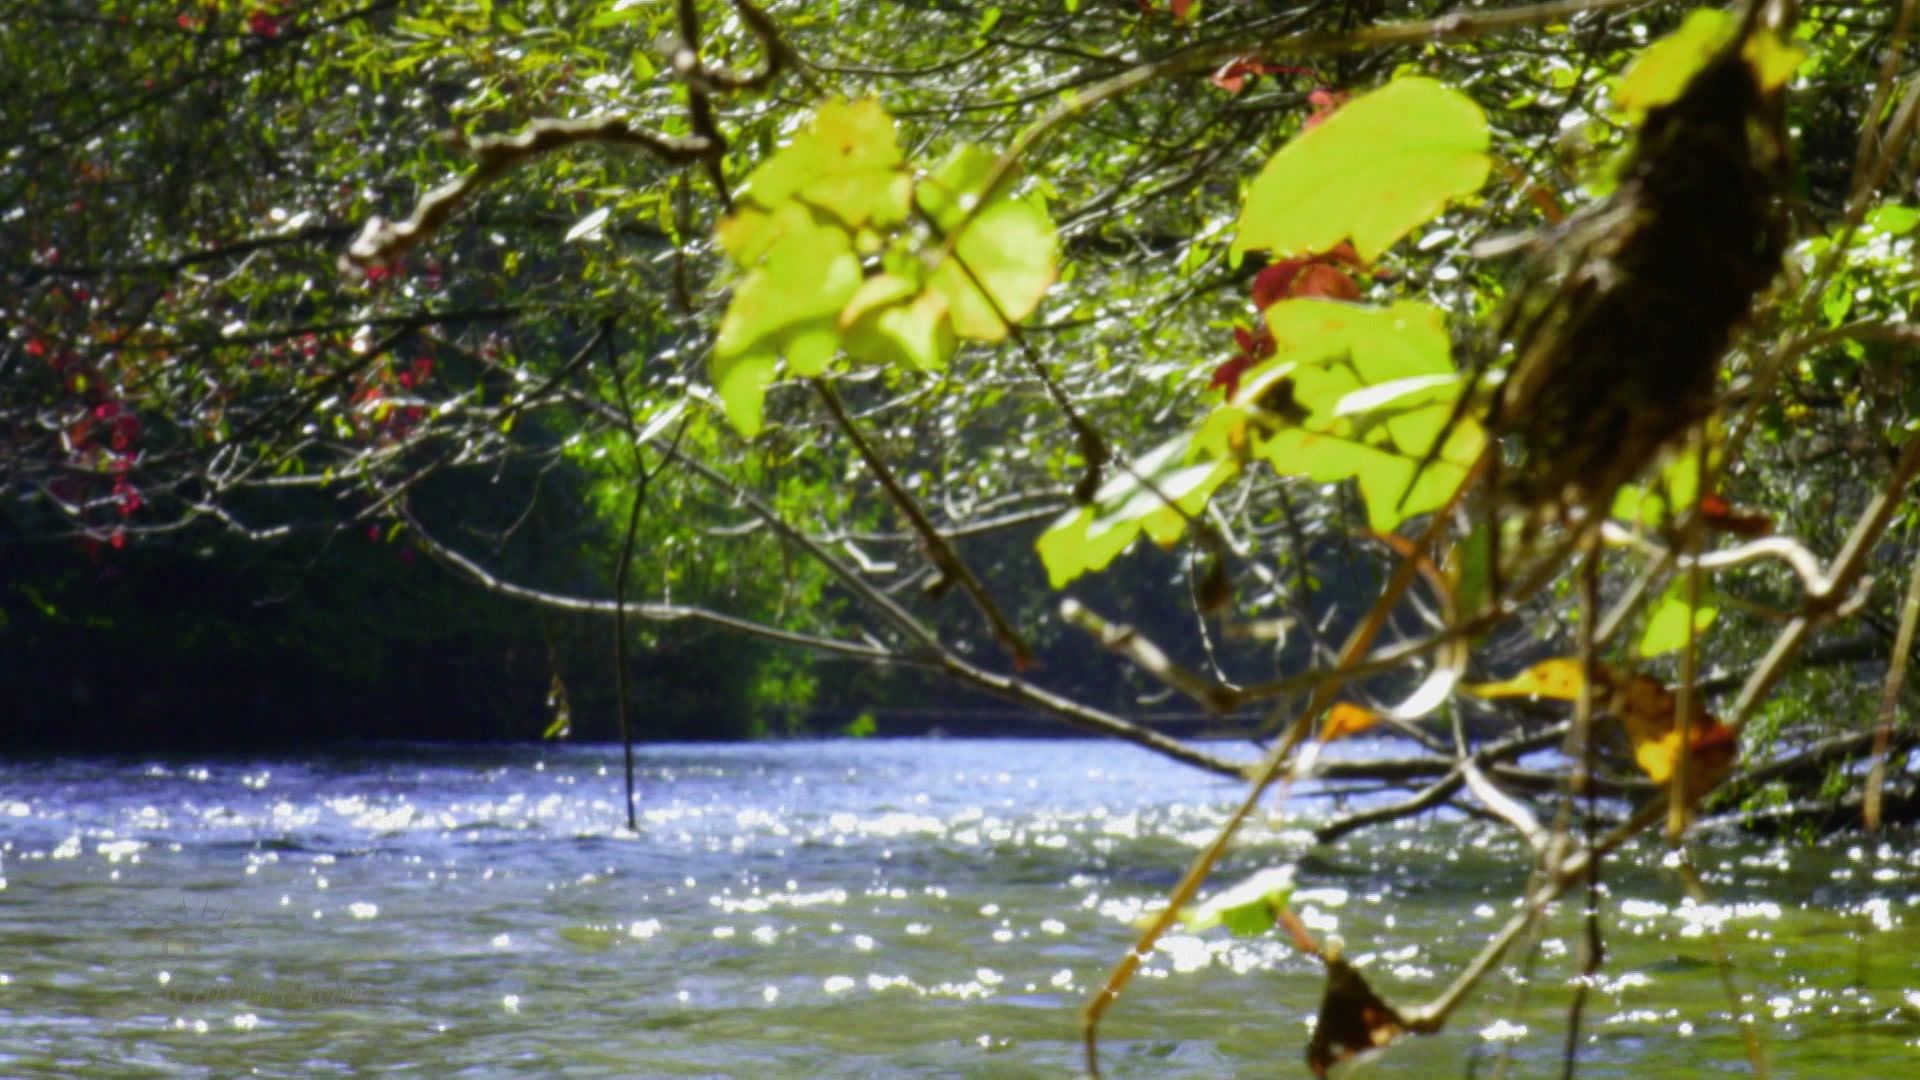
[381, 241]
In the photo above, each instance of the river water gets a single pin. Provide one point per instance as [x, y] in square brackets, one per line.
[876, 908]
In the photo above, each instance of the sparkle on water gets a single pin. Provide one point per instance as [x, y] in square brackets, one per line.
[848, 909]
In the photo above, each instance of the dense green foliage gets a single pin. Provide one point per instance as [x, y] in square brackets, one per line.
[204, 366]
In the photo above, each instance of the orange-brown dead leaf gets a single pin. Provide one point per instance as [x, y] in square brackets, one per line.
[1346, 719]
[1647, 711]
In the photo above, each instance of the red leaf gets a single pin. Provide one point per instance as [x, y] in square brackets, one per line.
[1227, 376]
[1275, 283]
[1343, 252]
[1721, 516]
[1310, 275]
[1232, 76]
[1321, 279]
[1180, 9]
[1325, 103]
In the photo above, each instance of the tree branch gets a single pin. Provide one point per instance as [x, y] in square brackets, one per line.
[381, 242]
[658, 612]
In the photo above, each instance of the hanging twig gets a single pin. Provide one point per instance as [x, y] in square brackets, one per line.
[643, 480]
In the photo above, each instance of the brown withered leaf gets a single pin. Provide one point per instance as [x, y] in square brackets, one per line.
[1353, 1019]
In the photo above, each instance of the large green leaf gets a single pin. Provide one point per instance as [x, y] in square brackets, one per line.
[1383, 345]
[1378, 168]
[1394, 485]
[1354, 393]
[1251, 907]
[1008, 248]
[845, 165]
[790, 303]
[845, 162]
[1090, 537]
[1377, 387]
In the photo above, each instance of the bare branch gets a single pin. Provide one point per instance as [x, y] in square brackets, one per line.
[1130, 643]
[1846, 568]
[1504, 806]
[381, 242]
[659, 612]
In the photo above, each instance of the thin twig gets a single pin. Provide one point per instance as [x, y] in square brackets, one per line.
[1270, 770]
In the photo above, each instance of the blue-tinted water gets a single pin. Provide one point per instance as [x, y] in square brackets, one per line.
[905, 908]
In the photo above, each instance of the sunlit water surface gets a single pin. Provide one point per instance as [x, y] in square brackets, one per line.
[910, 908]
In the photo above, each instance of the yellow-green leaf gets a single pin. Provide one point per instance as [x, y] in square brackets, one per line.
[1009, 249]
[873, 294]
[789, 303]
[742, 383]
[1389, 485]
[1384, 164]
[1773, 59]
[1663, 70]
[845, 162]
[948, 191]
[1088, 538]
[1251, 907]
[1403, 341]
[916, 331]
[1377, 387]
[1667, 627]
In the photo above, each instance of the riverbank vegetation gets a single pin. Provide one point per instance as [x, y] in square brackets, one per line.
[1495, 381]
